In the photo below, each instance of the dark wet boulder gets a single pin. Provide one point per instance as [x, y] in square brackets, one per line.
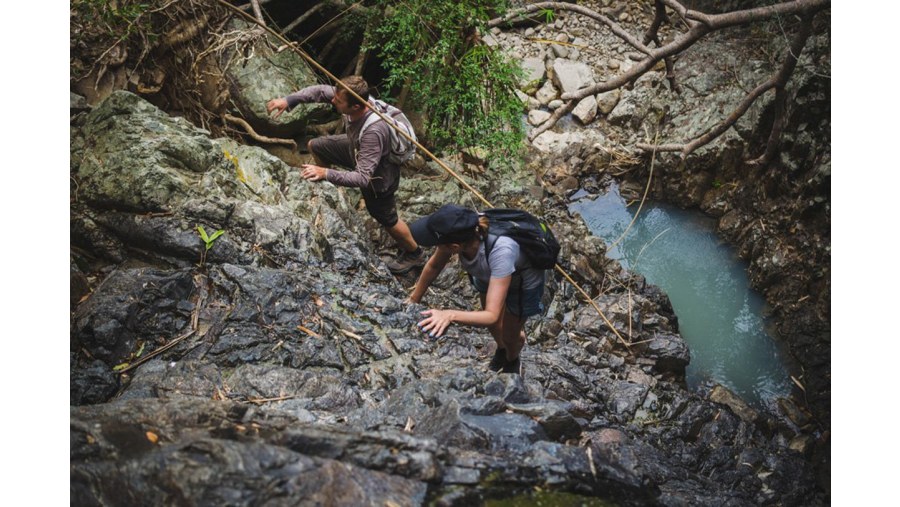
[553, 417]
[94, 383]
[145, 452]
[670, 353]
[131, 305]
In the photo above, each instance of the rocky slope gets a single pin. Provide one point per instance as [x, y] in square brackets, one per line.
[288, 364]
[286, 368]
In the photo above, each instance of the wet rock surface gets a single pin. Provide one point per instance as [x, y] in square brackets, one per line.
[287, 369]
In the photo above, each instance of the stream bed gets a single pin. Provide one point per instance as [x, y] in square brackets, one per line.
[719, 315]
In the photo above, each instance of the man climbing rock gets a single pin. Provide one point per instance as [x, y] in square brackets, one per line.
[372, 172]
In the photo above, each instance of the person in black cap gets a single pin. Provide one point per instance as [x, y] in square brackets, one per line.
[510, 289]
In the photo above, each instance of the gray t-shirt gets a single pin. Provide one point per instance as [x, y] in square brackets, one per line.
[506, 259]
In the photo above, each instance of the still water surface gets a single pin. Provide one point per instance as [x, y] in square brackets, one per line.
[719, 316]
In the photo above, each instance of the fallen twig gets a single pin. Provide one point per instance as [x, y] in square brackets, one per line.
[260, 401]
[157, 352]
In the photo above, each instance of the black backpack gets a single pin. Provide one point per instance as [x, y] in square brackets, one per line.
[534, 237]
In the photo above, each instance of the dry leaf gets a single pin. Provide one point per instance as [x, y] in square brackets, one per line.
[152, 437]
[798, 383]
[90, 439]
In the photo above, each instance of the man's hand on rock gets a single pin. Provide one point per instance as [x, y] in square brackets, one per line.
[277, 106]
[313, 172]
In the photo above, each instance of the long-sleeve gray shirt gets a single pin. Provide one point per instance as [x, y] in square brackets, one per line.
[370, 152]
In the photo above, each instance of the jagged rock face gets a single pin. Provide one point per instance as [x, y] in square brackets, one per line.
[288, 369]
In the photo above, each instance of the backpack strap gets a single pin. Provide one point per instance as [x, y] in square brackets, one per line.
[370, 120]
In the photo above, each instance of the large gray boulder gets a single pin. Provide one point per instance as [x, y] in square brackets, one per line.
[571, 76]
[267, 74]
[586, 110]
[534, 71]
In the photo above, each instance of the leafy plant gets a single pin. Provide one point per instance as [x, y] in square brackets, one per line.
[208, 240]
[432, 50]
[548, 14]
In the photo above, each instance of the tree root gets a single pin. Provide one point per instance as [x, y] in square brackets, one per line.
[258, 137]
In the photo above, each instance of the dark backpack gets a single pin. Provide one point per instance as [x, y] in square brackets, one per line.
[534, 237]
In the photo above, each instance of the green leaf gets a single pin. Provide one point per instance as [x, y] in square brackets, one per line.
[140, 350]
[216, 235]
[120, 367]
[203, 235]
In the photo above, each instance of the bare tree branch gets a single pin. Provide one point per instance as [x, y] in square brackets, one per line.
[680, 10]
[615, 27]
[652, 35]
[729, 19]
[361, 61]
[257, 12]
[790, 62]
[700, 25]
[295, 23]
[777, 81]
[249, 6]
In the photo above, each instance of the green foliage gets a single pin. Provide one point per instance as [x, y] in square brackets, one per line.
[208, 240]
[465, 88]
[548, 14]
[118, 18]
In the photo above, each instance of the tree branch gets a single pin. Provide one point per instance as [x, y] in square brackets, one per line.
[787, 69]
[257, 12]
[559, 113]
[616, 29]
[295, 23]
[777, 81]
[706, 24]
[652, 35]
[729, 19]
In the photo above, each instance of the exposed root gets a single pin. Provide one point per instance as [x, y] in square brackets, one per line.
[258, 137]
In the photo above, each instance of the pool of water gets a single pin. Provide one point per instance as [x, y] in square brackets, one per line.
[719, 316]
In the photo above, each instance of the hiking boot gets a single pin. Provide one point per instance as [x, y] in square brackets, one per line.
[498, 361]
[406, 261]
[514, 366]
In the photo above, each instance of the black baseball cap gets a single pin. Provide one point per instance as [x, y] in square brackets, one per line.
[449, 224]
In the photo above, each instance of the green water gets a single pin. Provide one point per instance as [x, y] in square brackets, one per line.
[719, 316]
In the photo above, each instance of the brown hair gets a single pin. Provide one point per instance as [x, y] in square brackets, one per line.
[359, 87]
[483, 224]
